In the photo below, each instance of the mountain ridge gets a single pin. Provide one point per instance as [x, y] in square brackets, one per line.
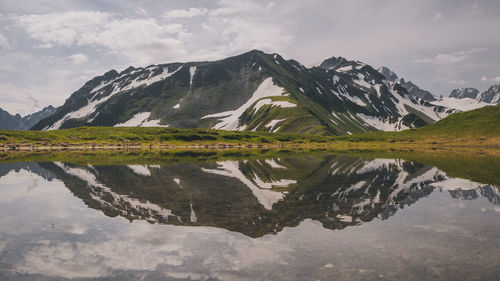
[18, 122]
[490, 96]
[253, 91]
[410, 86]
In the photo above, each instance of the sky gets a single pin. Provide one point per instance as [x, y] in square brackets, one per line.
[50, 48]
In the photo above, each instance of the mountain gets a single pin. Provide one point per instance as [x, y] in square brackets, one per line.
[464, 93]
[412, 89]
[16, 122]
[492, 95]
[252, 91]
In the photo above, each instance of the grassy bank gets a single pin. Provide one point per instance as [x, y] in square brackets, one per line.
[468, 130]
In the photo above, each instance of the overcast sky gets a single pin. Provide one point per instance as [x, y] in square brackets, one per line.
[49, 48]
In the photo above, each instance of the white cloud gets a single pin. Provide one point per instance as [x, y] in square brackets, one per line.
[77, 59]
[439, 17]
[138, 34]
[189, 13]
[48, 79]
[244, 34]
[476, 9]
[143, 40]
[207, 27]
[451, 58]
[459, 82]
[62, 28]
[4, 43]
[489, 80]
[227, 7]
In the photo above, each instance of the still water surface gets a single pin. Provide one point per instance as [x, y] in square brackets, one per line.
[307, 217]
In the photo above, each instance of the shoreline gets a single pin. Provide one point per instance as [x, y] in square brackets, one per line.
[388, 146]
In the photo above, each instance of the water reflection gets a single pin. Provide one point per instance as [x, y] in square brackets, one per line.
[47, 233]
[257, 197]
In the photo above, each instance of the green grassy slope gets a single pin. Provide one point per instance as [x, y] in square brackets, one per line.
[472, 128]
[482, 122]
[152, 135]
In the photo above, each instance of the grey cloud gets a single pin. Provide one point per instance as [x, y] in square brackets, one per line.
[443, 36]
[4, 43]
[188, 13]
[451, 58]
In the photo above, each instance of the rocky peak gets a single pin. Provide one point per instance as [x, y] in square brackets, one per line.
[389, 74]
[464, 93]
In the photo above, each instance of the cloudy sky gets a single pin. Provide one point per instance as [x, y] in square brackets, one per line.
[49, 48]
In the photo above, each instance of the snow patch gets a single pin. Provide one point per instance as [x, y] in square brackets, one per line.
[381, 124]
[335, 79]
[344, 69]
[360, 81]
[231, 118]
[464, 104]
[141, 120]
[272, 123]
[192, 72]
[118, 87]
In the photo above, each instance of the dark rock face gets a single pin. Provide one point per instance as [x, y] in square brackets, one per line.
[492, 95]
[16, 122]
[464, 93]
[412, 89]
[252, 91]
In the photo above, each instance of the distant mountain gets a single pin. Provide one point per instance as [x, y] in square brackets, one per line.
[412, 89]
[464, 93]
[16, 122]
[492, 95]
[252, 91]
[488, 97]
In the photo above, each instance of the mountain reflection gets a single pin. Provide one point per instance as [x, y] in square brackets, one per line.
[258, 197]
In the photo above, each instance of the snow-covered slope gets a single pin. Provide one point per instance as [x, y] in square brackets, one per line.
[492, 95]
[462, 104]
[488, 97]
[463, 93]
[248, 92]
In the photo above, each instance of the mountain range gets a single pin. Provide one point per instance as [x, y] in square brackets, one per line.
[491, 96]
[259, 92]
[252, 91]
[410, 87]
[18, 122]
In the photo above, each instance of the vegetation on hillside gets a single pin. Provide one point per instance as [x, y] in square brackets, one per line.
[477, 128]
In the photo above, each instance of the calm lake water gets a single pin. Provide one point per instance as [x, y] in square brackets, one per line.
[302, 217]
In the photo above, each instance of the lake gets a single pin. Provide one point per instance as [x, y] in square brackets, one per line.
[268, 216]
